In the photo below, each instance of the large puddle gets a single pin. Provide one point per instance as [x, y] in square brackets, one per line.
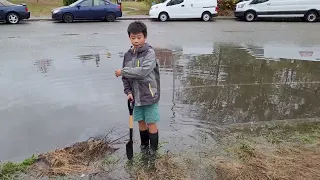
[55, 101]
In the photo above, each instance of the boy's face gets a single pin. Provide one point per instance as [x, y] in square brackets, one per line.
[137, 40]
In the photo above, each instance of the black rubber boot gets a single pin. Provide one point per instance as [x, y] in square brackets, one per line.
[154, 142]
[144, 136]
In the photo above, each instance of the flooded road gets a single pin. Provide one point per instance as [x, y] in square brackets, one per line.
[58, 86]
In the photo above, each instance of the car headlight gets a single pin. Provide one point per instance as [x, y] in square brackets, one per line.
[154, 7]
[56, 11]
[241, 5]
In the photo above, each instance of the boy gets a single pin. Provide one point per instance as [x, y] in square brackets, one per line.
[141, 81]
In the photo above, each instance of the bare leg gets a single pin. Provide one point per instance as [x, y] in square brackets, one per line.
[142, 125]
[153, 128]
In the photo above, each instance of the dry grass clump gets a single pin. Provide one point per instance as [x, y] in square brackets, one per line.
[73, 160]
[286, 163]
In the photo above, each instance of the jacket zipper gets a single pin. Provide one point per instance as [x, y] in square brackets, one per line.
[138, 65]
[152, 94]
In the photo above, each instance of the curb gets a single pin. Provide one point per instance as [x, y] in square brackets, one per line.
[131, 18]
[40, 19]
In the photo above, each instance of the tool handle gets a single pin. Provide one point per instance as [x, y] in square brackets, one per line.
[130, 122]
[130, 106]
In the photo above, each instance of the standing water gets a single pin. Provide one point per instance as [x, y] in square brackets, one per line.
[51, 102]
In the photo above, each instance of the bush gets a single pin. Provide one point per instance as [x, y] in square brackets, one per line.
[68, 2]
[227, 4]
[149, 2]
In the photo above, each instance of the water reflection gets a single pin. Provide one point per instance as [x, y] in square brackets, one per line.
[237, 84]
[89, 57]
[165, 59]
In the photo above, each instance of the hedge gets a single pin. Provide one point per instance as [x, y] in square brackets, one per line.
[68, 2]
[227, 4]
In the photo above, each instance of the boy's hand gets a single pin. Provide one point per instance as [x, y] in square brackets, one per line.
[118, 72]
[130, 97]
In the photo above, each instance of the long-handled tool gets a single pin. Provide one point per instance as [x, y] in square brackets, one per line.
[129, 146]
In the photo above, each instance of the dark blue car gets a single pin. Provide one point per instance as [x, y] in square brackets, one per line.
[13, 13]
[88, 10]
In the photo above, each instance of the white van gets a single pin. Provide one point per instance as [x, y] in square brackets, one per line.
[180, 9]
[250, 10]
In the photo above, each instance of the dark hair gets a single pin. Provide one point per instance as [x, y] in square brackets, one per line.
[137, 27]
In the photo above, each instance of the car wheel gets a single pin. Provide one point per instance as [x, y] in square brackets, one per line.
[163, 16]
[67, 18]
[311, 16]
[110, 17]
[206, 16]
[250, 16]
[13, 18]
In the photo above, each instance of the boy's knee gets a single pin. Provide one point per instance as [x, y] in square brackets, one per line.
[142, 125]
[153, 128]
[142, 122]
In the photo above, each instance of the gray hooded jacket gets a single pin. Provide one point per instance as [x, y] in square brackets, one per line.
[141, 76]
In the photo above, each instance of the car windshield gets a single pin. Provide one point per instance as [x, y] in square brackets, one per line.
[6, 3]
[75, 3]
[241, 1]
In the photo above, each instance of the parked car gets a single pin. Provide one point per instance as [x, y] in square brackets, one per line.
[184, 9]
[250, 10]
[88, 10]
[13, 13]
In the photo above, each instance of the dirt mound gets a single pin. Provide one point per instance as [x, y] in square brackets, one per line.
[287, 163]
[76, 159]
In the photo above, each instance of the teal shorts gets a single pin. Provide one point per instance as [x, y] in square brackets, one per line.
[148, 113]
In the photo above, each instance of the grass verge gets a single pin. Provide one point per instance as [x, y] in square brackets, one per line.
[85, 157]
[10, 170]
[135, 8]
[283, 150]
[286, 151]
[40, 8]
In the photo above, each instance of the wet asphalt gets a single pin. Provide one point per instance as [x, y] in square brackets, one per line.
[57, 83]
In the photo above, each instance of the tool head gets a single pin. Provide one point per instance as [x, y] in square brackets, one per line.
[129, 150]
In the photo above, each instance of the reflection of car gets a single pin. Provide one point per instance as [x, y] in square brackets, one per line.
[88, 10]
[13, 13]
[278, 51]
[183, 9]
